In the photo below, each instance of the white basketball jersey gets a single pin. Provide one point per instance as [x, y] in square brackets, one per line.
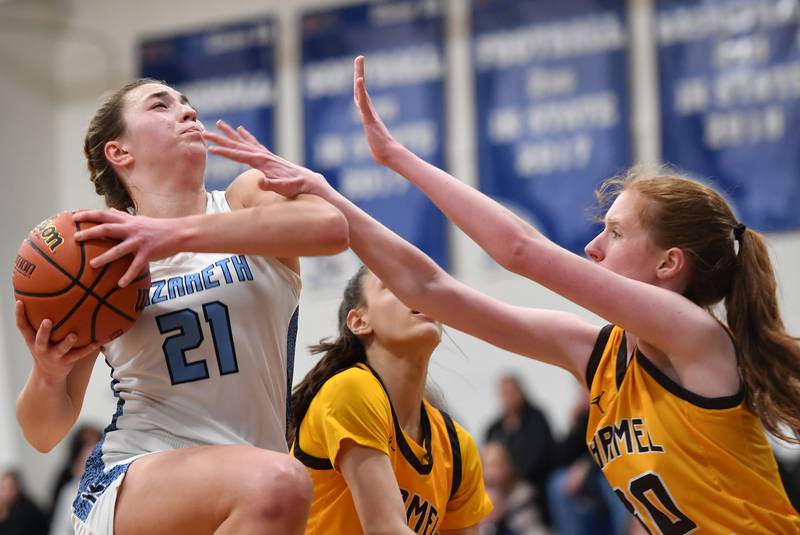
[206, 363]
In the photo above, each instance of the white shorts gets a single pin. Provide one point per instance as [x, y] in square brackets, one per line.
[93, 508]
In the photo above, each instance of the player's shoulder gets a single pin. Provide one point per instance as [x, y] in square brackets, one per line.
[353, 376]
[355, 382]
[244, 191]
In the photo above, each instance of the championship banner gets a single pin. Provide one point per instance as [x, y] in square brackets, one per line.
[227, 72]
[403, 45]
[730, 93]
[552, 107]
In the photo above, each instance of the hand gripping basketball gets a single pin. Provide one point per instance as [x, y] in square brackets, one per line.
[54, 280]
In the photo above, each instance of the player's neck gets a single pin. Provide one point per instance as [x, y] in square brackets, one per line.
[171, 203]
[404, 377]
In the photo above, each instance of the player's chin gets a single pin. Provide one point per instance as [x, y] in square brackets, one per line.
[428, 331]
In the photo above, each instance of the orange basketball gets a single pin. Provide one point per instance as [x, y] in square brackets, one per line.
[54, 280]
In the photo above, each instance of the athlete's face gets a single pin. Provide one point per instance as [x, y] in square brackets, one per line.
[497, 468]
[393, 324]
[160, 126]
[624, 246]
[511, 397]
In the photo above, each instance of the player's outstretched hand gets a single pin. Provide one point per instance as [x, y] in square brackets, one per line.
[146, 238]
[280, 175]
[382, 145]
[53, 361]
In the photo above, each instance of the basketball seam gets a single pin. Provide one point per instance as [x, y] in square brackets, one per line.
[88, 291]
[102, 301]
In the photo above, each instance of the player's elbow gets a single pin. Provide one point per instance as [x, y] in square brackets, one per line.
[42, 436]
[514, 253]
[333, 232]
[39, 439]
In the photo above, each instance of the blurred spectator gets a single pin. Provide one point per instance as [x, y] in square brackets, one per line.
[515, 511]
[83, 435]
[18, 514]
[523, 428]
[83, 442]
[581, 500]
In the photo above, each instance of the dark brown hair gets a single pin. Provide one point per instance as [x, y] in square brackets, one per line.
[729, 263]
[339, 354]
[107, 125]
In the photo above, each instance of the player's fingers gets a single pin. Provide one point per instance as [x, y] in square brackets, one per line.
[104, 230]
[138, 269]
[116, 252]
[42, 341]
[247, 136]
[24, 326]
[226, 129]
[134, 270]
[63, 347]
[364, 104]
[97, 216]
[358, 72]
[79, 353]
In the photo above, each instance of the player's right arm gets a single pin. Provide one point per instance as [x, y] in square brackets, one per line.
[374, 488]
[51, 399]
[558, 338]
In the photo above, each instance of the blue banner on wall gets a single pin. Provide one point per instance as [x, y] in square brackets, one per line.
[403, 45]
[552, 97]
[227, 73]
[730, 101]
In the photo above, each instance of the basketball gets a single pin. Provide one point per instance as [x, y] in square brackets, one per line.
[54, 280]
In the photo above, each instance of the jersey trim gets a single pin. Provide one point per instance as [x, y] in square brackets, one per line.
[455, 447]
[597, 353]
[291, 343]
[724, 402]
[622, 360]
[420, 466]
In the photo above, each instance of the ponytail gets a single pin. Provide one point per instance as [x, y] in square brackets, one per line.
[769, 357]
[338, 354]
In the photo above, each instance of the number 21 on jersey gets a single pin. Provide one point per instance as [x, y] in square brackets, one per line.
[189, 336]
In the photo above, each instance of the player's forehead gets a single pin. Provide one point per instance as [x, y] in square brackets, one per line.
[154, 91]
[624, 209]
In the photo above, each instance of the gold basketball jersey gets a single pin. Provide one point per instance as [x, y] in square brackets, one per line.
[440, 480]
[681, 463]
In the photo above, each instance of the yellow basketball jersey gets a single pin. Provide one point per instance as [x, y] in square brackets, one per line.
[681, 463]
[440, 481]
